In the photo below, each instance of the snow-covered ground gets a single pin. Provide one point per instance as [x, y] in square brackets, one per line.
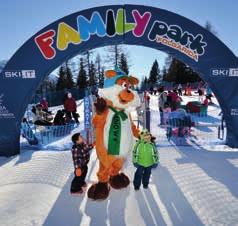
[193, 185]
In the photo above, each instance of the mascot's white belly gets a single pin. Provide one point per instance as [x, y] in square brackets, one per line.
[127, 139]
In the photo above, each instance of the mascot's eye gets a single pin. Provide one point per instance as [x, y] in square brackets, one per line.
[130, 87]
[124, 85]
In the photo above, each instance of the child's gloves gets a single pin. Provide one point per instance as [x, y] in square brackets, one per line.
[90, 146]
[153, 138]
[78, 172]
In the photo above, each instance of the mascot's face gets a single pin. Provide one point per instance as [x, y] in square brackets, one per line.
[121, 93]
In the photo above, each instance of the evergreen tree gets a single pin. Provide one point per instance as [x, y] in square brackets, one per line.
[98, 63]
[123, 63]
[92, 75]
[164, 72]
[101, 78]
[179, 72]
[114, 53]
[87, 61]
[69, 77]
[98, 68]
[154, 73]
[60, 85]
[65, 80]
[168, 61]
[82, 76]
[99, 72]
[144, 84]
[173, 70]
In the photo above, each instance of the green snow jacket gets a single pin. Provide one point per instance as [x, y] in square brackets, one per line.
[145, 154]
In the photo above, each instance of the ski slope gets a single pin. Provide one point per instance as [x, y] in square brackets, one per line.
[193, 185]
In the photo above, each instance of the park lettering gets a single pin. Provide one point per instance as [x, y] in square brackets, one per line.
[173, 36]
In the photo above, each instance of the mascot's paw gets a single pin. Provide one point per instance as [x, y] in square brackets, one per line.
[100, 105]
[119, 181]
[99, 191]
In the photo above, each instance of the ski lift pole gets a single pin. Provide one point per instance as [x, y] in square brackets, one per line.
[143, 112]
[147, 113]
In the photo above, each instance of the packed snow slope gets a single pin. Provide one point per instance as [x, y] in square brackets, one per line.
[193, 185]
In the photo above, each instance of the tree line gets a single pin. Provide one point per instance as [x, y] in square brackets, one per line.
[90, 71]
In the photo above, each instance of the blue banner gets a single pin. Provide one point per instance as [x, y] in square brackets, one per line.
[87, 113]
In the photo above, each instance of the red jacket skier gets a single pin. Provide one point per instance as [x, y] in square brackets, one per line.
[70, 103]
[70, 107]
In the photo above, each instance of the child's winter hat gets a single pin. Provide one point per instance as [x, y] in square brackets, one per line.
[144, 133]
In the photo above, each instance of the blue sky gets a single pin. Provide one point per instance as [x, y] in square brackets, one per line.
[20, 19]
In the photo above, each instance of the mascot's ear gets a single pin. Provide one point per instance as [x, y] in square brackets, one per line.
[110, 73]
[133, 80]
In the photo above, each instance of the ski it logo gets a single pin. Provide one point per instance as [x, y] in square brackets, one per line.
[4, 112]
[224, 72]
[115, 23]
[24, 74]
[234, 112]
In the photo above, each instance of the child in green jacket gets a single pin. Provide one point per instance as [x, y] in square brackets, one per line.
[145, 157]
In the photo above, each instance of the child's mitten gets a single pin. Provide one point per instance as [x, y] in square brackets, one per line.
[78, 172]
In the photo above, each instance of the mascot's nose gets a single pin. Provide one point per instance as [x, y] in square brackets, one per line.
[128, 91]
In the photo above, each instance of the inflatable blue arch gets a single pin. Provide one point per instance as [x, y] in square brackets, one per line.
[118, 24]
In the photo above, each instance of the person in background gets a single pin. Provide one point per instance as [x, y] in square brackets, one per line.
[178, 101]
[70, 107]
[161, 101]
[174, 100]
[155, 91]
[200, 94]
[45, 105]
[185, 89]
[166, 111]
[206, 102]
[147, 97]
[169, 97]
[81, 156]
[209, 94]
[59, 119]
[188, 90]
[180, 90]
[40, 117]
[200, 84]
[151, 90]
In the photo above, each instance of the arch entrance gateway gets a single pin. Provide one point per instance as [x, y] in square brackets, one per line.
[107, 25]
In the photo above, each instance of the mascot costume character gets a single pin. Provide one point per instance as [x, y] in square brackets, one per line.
[114, 131]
